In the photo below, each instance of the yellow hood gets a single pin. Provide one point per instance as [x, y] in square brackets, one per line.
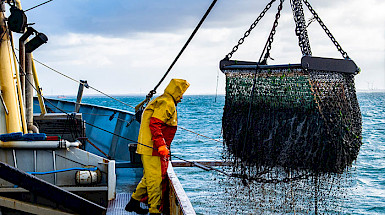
[176, 88]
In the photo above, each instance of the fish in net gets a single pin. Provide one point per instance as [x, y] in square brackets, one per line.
[290, 134]
[291, 118]
[290, 131]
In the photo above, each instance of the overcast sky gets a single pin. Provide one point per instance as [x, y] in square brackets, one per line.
[125, 46]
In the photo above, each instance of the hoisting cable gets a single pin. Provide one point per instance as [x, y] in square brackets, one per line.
[153, 92]
[38, 5]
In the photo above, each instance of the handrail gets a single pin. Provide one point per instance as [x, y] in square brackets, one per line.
[179, 202]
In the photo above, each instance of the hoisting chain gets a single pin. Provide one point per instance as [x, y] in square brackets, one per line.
[272, 33]
[300, 27]
[267, 46]
[247, 33]
[339, 48]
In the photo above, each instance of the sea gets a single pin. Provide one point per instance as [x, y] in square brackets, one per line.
[208, 190]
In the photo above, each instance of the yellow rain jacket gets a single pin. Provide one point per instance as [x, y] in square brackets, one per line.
[163, 109]
[158, 127]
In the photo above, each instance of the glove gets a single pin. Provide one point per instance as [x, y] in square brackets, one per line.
[163, 150]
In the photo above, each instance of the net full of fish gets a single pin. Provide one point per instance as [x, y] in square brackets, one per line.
[291, 118]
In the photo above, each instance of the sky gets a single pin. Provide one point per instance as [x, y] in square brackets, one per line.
[125, 46]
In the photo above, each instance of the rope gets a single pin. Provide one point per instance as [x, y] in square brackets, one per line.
[86, 139]
[184, 47]
[200, 134]
[88, 86]
[38, 5]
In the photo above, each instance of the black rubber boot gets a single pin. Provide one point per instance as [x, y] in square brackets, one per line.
[134, 206]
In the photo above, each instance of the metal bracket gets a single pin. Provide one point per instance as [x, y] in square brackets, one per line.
[329, 64]
[232, 65]
[3, 102]
[307, 63]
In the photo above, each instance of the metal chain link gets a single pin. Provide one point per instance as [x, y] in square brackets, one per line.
[247, 33]
[300, 29]
[339, 48]
[273, 30]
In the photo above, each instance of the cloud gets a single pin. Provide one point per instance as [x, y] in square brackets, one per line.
[126, 47]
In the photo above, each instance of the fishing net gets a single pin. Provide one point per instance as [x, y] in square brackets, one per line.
[324, 194]
[304, 121]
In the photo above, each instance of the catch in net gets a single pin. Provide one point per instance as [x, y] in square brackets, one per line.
[300, 117]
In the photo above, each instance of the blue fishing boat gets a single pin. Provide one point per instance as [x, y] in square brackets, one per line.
[62, 157]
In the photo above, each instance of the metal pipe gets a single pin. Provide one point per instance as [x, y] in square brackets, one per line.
[54, 165]
[22, 55]
[39, 144]
[21, 68]
[83, 83]
[34, 161]
[14, 158]
[29, 94]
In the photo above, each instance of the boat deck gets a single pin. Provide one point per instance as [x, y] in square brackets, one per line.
[116, 206]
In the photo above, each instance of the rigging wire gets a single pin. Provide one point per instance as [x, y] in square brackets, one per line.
[89, 86]
[38, 5]
[152, 92]
[200, 134]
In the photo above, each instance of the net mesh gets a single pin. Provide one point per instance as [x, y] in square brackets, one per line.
[303, 122]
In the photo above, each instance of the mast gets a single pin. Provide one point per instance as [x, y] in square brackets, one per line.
[9, 109]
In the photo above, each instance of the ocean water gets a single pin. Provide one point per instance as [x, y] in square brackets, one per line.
[208, 191]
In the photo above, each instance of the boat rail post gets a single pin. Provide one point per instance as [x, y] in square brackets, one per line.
[82, 84]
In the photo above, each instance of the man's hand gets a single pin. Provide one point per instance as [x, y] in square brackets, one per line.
[163, 150]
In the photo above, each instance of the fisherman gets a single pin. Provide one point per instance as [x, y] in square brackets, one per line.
[157, 130]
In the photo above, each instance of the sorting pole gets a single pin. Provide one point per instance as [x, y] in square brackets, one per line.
[80, 94]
